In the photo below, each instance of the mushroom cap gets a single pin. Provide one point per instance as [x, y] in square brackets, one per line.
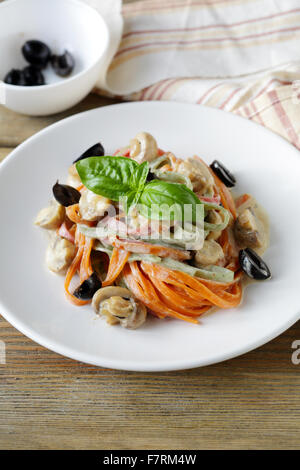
[133, 321]
[107, 292]
[143, 147]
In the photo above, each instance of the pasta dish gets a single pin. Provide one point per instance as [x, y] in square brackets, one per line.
[144, 232]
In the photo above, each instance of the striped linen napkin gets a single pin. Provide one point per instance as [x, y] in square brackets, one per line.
[241, 56]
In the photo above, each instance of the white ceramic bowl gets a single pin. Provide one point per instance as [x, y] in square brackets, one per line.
[62, 24]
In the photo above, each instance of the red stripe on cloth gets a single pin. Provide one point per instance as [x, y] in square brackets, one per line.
[230, 98]
[140, 7]
[246, 109]
[283, 117]
[157, 88]
[159, 97]
[144, 92]
[201, 100]
[274, 80]
[200, 41]
[257, 114]
[212, 26]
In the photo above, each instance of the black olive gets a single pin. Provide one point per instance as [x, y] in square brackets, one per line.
[66, 195]
[150, 177]
[63, 64]
[221, 171]
[15, 77]
[96, 150]
[33, 76]
[87, 289]
[253, 265]
[37, 53]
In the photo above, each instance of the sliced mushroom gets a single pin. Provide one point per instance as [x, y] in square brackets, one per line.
[211, 253]
[197, 172]
[59, 254]
[73, 177]
[92, 206]
[246, 230]
[143, 147]
[118, 305]
[214, 217]
[51, 217]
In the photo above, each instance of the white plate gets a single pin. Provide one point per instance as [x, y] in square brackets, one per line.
[32, 299]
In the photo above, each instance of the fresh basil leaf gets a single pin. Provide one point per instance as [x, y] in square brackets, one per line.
[113, 177]
[140, 175]
[139, 179]
[158, 197]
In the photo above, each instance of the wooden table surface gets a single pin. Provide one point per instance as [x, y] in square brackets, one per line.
[50, 402]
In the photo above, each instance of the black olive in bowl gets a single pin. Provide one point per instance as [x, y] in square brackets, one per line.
[33, 76]
[15, 77]
[37, 53]
[63, 65]
[96, 150]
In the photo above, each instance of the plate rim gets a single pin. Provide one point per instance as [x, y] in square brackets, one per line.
[125, 364]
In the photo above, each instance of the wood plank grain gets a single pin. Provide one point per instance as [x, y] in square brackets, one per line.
[4, 152]
[15, 128]
[49, 402]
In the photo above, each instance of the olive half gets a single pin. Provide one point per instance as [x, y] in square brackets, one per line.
[66, 195]
[88, 288]
[63, 64]
[37, 53]
[96, 150]
[253, 265]
[221, 171]
[15, 77]
[150, 177]
[33, 76]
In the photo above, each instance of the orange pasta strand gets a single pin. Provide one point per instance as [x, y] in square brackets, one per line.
[117, 262]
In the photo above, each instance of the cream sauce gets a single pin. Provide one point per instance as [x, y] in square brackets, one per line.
[262, 222]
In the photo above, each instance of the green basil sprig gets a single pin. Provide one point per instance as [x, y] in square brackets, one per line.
[158, 197]
[119, 177]
[114, 177]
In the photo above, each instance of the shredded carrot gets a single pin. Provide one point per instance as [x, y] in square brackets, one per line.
[116, 265]
[86, 266]
[79, 239]
[66, 232]
[226, 298]
[125, 153]
[82, 264]
[145, 291]
[242, 199]
[166, 167]
[224, 193]
[147, 248]
[73, 214]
